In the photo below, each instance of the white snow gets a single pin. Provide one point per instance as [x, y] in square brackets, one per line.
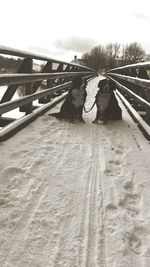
[75, 195]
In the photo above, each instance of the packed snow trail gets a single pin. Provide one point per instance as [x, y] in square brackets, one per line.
[75, 195]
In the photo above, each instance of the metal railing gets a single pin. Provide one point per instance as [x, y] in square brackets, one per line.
[49, 86]
[133, 87]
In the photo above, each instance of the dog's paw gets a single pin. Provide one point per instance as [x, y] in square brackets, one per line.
[82, 120]
[95, 121]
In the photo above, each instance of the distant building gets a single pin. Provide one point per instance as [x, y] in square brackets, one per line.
[146, 58]
[119, 61]
[78, 61]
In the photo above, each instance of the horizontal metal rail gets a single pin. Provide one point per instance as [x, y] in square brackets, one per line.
[18, 53]
[17, 125]
[137, 118]
[133, 83]
[138, 98]
[8, 106]
[137, 81]
[132, 99]
[52, 78]
[27, 78]
[131, 66]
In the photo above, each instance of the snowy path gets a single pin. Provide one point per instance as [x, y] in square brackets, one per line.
[75, 195]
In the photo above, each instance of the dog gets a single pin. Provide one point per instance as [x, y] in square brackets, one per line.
[106, 102]
[72, 108]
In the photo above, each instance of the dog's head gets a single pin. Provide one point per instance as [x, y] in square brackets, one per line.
[104, 86]
[79, 82]
[85, 82]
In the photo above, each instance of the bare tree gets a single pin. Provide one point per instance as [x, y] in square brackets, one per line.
[134, 53]
[100, 57]
[112, 50]
[96, 58]
[147, 57]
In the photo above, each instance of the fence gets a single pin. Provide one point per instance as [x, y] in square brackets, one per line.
[133, 88]
[48, 84]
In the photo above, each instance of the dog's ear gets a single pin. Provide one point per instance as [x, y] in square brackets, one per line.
[112, 85]
[85, 81]
[99, 84]
[77, 82]
[102, 82]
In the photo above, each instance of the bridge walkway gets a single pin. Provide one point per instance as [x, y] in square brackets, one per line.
[75, 195]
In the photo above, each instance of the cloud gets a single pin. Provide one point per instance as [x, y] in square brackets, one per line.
[53, 52]
[38, 49]
[140, 16]
[76, 44]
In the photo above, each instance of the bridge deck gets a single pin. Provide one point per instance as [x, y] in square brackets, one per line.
[75, 194]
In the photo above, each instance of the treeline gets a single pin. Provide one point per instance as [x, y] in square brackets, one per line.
[8, 65]
[114, 55]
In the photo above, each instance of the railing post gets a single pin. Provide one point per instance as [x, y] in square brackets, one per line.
[47, 69]
[46, 99]
[60, 69]
[67, 69]
[28, 88]
[147, 117]
[144, 93]
[25, 67]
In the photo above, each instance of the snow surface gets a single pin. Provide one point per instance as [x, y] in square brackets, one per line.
[75, 195]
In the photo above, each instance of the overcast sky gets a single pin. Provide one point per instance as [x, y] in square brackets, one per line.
[64, 28]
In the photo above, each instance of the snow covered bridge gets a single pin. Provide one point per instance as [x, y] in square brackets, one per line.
[75, 195]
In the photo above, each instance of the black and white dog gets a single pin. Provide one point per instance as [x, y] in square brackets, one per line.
[106, 102]
[72, 108]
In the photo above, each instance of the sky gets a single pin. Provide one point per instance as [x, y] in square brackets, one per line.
[62, 29]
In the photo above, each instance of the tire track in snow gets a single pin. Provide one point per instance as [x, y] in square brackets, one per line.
[92, 250]
[102, 245]
[91, 225]
[87, 233]
[101, 252]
